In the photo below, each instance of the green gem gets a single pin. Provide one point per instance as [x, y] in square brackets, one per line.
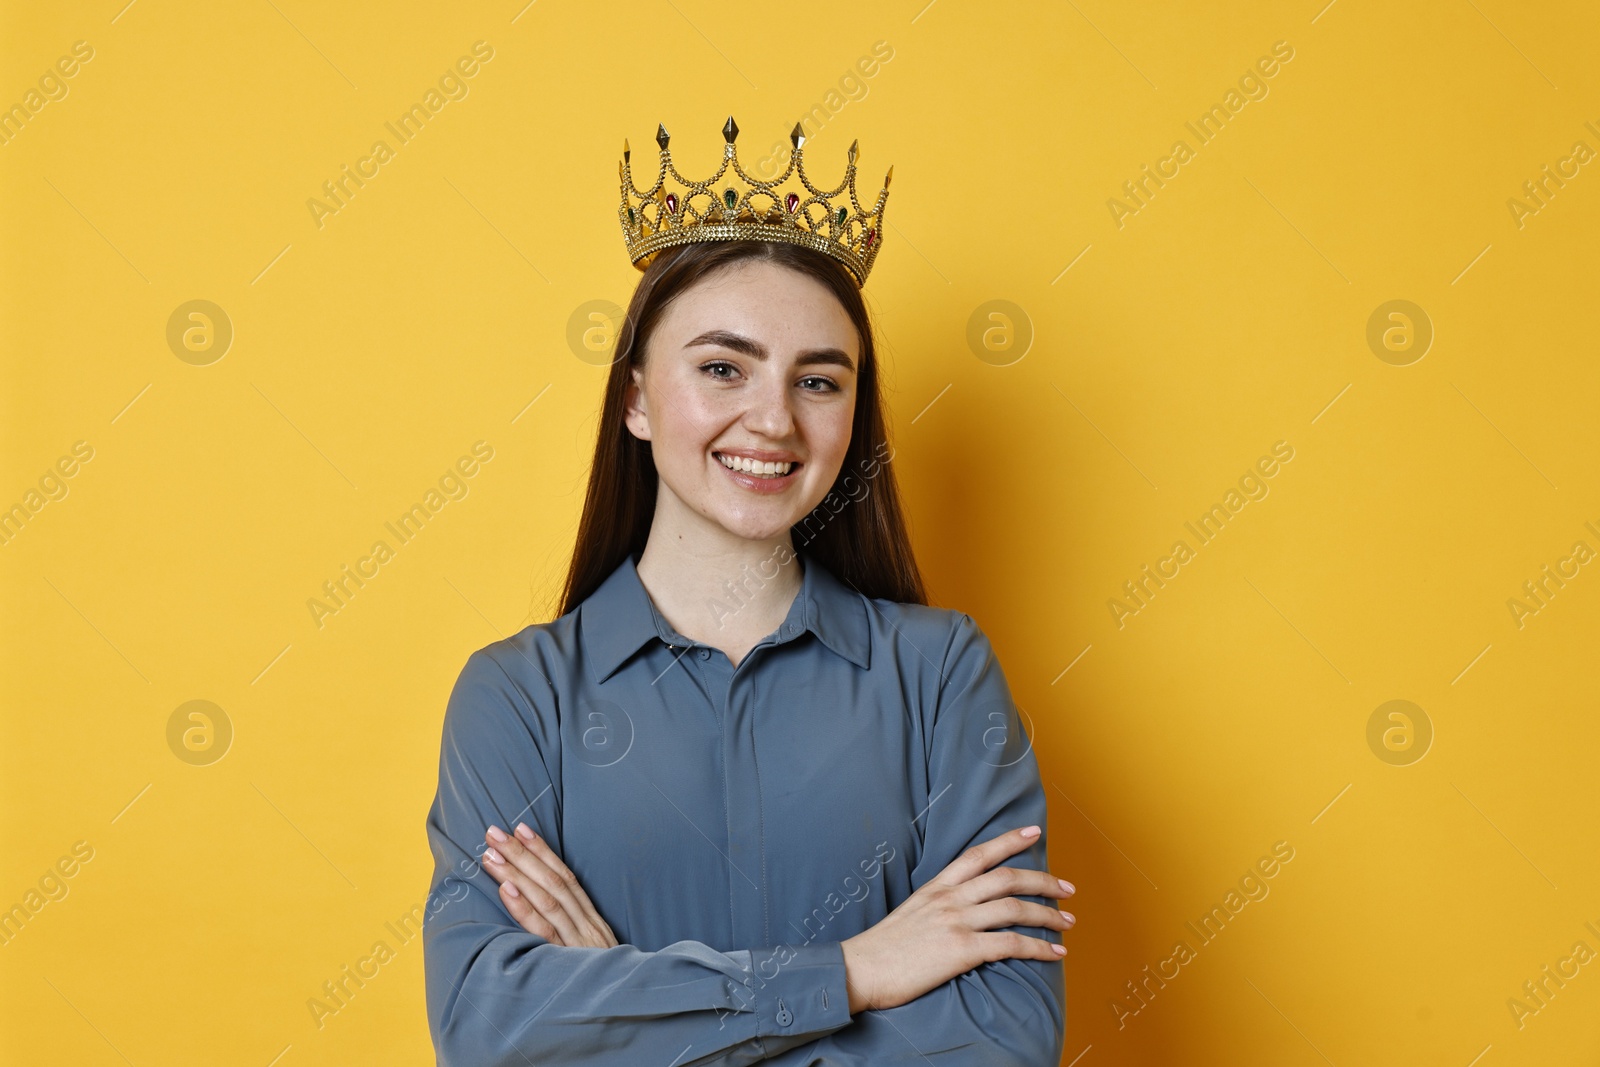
[730, 198]
[840, 217]
[630, 216]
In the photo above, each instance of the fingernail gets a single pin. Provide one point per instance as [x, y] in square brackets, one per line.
[1072, 920]
[1030, 831]
[496, 833]
[1059, 950]
[1066, 886]
[511, 889]
[494, 857]
[523, 832]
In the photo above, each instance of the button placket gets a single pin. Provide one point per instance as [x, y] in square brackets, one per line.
[745, 851]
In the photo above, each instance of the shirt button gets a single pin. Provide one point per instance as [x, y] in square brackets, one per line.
[705, 653]
[785, 1017]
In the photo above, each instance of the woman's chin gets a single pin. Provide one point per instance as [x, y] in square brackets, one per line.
[770, 524]
[764, 531]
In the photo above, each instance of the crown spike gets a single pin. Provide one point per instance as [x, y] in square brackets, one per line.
[851, 155]
[662, 137]
[625, 150]
[797, 137]
[886, 177]
[730, 130]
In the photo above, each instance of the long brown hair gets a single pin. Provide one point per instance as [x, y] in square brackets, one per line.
[858, 531]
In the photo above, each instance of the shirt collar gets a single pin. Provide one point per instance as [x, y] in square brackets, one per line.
[619, 617]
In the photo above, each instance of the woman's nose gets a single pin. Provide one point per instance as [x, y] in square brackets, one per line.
[770, 410]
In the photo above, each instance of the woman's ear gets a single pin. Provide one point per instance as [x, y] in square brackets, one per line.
[634, 416]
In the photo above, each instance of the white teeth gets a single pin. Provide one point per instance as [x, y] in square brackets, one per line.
[756, 467]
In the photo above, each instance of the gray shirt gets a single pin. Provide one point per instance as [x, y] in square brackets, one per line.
[732, 825]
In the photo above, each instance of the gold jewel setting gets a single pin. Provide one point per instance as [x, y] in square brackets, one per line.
[821, 219]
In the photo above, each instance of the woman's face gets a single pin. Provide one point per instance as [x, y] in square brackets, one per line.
[757, 362]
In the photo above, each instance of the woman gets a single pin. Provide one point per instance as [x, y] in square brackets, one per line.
[747, 797]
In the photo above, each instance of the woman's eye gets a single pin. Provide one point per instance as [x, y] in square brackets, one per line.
[811, 383]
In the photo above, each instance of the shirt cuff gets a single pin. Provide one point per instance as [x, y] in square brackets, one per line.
[800, 990]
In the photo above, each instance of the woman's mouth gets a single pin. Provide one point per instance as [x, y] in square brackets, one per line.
[762, 477]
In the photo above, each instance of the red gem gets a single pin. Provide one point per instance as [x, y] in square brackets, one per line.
[870, 234]
[790, 201]
[672, 203]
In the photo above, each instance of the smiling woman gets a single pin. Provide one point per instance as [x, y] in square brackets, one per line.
[665, 790]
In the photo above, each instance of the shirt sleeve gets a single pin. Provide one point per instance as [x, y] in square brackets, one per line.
[983, 780]
[498, 995]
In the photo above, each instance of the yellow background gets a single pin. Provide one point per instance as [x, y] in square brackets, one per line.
[1229, 313]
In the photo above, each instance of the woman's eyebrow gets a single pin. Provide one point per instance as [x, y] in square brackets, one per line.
[756, 350]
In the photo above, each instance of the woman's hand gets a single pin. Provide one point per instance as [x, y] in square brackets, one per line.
[541, 892]
[939, 931]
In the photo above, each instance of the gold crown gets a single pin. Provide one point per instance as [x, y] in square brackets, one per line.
[656, 219]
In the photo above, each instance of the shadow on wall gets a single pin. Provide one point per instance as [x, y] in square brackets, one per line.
[969, 538]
